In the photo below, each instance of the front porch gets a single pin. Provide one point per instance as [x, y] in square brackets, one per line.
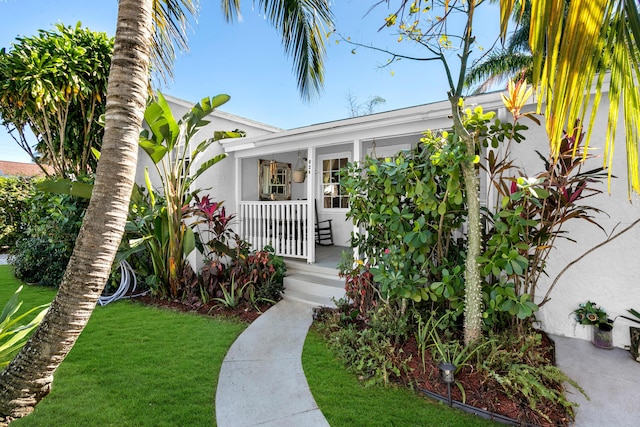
[329, 256]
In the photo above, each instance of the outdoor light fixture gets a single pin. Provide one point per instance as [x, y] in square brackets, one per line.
[447, 371]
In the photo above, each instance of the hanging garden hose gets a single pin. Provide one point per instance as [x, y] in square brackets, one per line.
[127, 280]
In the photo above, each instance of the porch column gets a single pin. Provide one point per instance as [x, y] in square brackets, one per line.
[311, 204]
[238, 193]
[357, 157]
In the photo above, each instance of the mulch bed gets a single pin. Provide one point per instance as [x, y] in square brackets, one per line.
[480, 392]
[241, 313]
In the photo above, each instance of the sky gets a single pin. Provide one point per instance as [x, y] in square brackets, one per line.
[246, 60]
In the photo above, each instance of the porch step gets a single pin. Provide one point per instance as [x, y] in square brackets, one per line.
[313, 285]
[301, 267]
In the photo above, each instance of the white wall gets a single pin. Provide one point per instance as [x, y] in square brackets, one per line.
[609, 276]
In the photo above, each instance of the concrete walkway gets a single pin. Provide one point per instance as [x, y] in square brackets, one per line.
[261, 380]
[611, 379]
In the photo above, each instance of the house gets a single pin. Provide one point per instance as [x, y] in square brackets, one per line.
[255, 182]
[19, 169]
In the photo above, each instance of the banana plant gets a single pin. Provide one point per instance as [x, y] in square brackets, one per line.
[167, 141]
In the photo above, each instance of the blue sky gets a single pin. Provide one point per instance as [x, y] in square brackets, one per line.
[247, 61]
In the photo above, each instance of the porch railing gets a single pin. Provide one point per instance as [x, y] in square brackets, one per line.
[282, 225]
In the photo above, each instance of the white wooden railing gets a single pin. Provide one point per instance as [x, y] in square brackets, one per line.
[282, 225]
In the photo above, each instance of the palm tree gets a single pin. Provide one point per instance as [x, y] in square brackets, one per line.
[28, 378]
[591, 40]
[513, 60]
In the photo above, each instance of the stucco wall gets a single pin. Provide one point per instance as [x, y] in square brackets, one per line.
[609, 276]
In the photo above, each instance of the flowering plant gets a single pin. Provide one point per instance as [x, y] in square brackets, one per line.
[590, 314]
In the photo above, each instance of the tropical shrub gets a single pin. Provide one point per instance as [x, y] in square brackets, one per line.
[13, 330]
[158, 220]
[52, 224]
[14, 195]
[412, 210]
[410, 207]
[55, 84]
[250, 278]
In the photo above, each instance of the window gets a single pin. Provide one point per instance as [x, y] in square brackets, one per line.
[333, 196]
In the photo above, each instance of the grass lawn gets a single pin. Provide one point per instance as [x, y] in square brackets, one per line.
[133, 366]
[344, 401]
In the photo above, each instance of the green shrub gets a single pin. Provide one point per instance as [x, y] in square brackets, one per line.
[39, 260]
[14, 200]
[367, 351]
[392, 322]
[52, 225]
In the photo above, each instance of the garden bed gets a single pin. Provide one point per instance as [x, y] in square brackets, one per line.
[482, 393]
[243, 313]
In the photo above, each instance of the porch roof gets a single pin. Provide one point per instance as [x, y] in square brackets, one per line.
[405, 121]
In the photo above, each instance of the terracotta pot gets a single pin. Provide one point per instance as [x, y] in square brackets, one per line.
[634, 349]
[298, 176]
[603, 336]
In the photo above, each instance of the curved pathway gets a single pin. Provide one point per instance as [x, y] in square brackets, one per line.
[261, 379]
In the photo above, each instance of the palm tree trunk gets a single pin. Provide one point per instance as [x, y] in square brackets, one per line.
[27, 379]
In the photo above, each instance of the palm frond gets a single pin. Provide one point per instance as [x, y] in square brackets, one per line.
[172, 20]
[499, 67]
[576, 50]
[302, 26]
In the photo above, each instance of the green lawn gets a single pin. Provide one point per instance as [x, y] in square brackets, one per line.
[344, 401]
[133, 366]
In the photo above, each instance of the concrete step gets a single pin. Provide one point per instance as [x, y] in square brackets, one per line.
[314, 300]
[298, 267]
[318, 290]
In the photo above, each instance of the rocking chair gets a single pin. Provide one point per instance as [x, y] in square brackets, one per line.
[324, 232]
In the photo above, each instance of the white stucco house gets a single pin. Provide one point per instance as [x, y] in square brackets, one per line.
[255, 182]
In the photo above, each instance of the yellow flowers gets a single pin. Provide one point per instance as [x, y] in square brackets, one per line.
[517, 96]
[391, 20]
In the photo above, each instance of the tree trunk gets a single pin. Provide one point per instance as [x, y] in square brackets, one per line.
[27, 379]
[472, 286]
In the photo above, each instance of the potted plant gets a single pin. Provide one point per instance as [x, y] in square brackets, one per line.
[590, 314]
[299, 174]
[634, 334]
